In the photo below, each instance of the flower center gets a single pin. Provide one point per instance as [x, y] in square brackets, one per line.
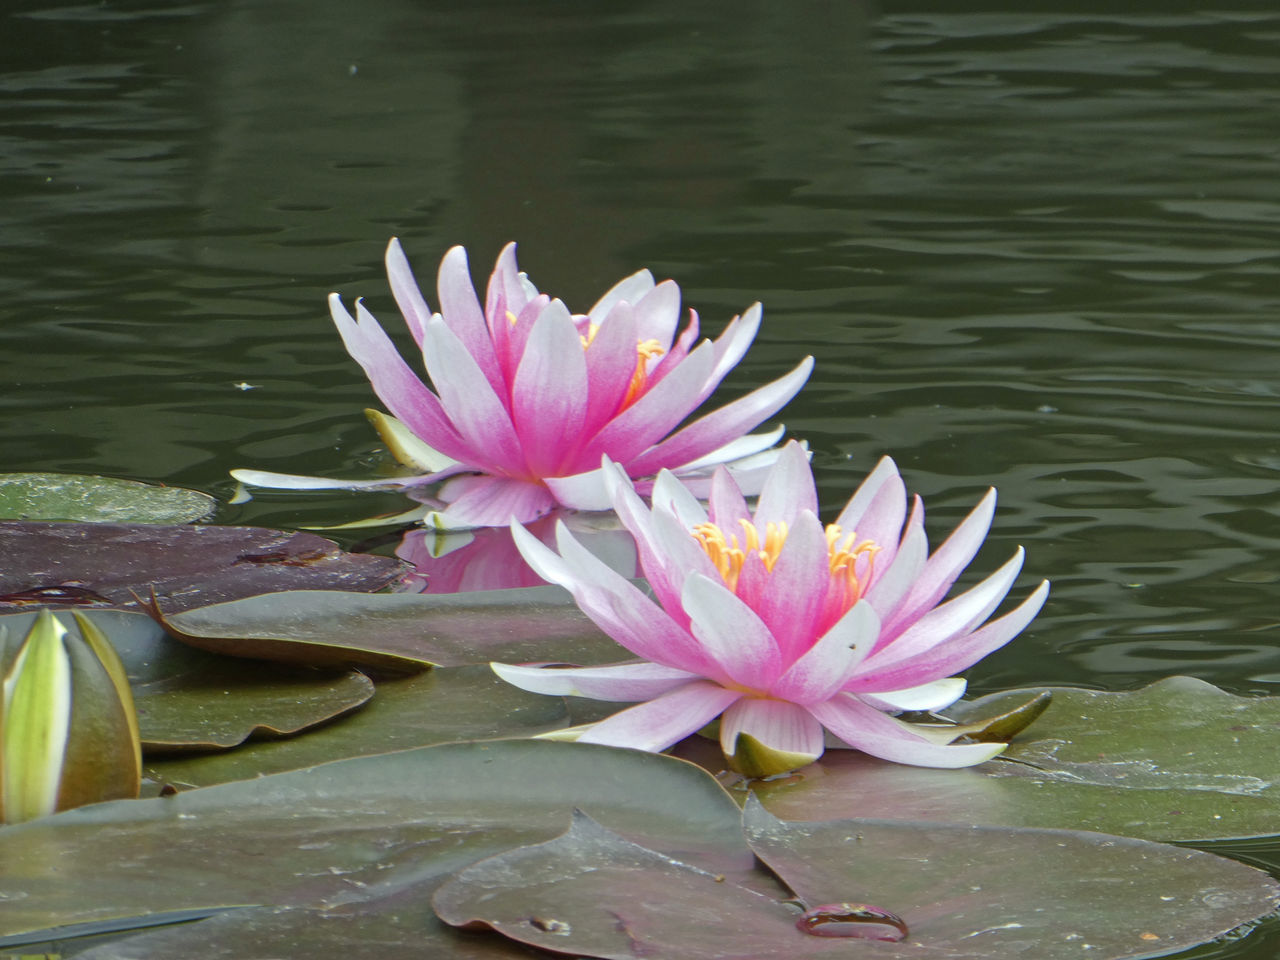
[850, 561]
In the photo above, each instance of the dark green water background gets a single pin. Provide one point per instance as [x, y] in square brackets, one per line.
[1035, 246]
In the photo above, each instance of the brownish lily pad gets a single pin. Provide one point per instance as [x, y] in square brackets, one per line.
[187, 566]
[319, 626]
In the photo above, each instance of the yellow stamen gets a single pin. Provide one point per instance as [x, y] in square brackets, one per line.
[512, 318]
[843, 553]
[646, 350]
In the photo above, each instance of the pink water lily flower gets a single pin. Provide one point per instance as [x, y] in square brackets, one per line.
[782, 627]
[528, 396]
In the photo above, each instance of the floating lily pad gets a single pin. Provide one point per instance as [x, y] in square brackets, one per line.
[353, 850]
[439, 706]
[90, 499]
[537, 623]
[1177, 760]
[349, 831]
[187, 566]
[1049, 894]
[190, 700]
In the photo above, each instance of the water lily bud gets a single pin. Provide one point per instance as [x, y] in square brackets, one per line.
[68, 728]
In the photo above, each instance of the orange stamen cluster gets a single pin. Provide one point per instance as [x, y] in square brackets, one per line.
[843, 553]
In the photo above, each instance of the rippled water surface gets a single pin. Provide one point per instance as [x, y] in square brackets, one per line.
[1039, 250]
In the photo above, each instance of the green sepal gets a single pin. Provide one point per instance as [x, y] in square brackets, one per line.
[751, 758]
[406, 446]
[37, 718]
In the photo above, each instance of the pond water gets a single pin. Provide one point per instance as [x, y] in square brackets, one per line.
[1039, 250]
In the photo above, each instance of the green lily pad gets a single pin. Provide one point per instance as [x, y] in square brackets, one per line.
[1047, 893]
[188, 700]
[90, 499]
[350, 853]
[439, 706]
[348, 831]
[590, 892]
[1177, 760]
[187, 566]
[536, 623]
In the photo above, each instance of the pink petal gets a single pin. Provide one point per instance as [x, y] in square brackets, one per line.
[460, 309]
[654, 415]
[890, 583]
[885, 471]
[611, 361]
[730, 633]
[678, 554]
[782, 726]
[679, 350]
[504, 284]
[731, 346]
[612, 602]
[629, 289]
[946, 564]
[953, 655]
[789, 489]
[867, 729]
[671, 495]
[405, 290]
[878, 510]
[656, 725]
[958, 615]
[549, 396]
[657, 314]
[720, 426]
[728, 506]
[621, 682]
[667, 557]
[824, 668]
[396, 385]
[465, 394]
[489, 501]
[792, 597]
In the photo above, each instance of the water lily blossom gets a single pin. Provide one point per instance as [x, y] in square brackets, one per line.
[781, 627]
[528, 396]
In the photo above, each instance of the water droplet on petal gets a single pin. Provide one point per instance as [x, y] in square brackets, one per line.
[861, 920]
